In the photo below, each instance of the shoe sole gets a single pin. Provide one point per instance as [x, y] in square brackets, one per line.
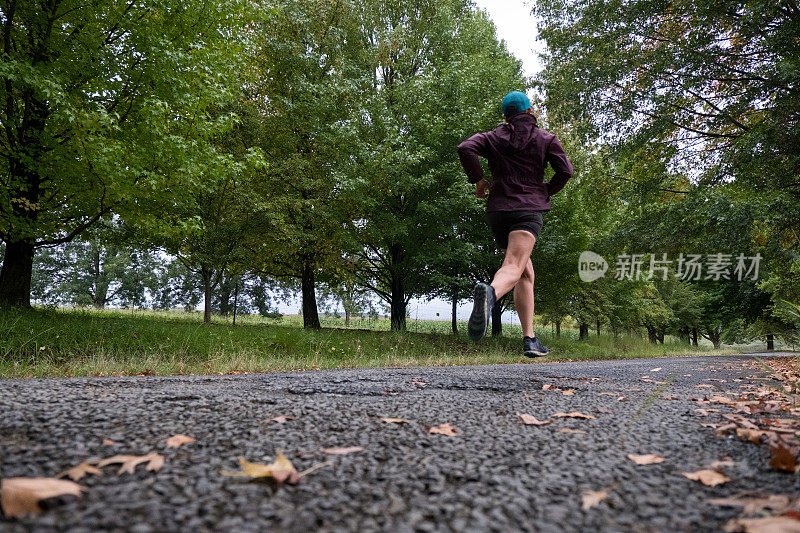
[480, 311]
[535, 354]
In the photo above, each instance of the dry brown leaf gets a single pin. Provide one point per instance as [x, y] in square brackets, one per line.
[717, 465]
[530, 420]
[130, 462]
[776, 503]
[605, 411]
[709, 425]
[607, 393]
[770, 524]
[548, 386]
[343, 451]
[418, 383]
[753, 435]
[704, 386]
[574, 431]
[282, 470]
[646, 459]
[176, 441]
[77, 472]
[593, 497]
[623, 399]
[391, 393]
[21, 495]
[656, 369]
[443, 429]
[712, 478]
[574, 414]
[704, 412]
[570, 392]
[283, 419]
[395, 420]
[108, 442]
[669, 397]
[783, 459]
[721, 399]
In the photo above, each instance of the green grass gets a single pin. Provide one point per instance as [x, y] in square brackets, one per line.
[57, 343]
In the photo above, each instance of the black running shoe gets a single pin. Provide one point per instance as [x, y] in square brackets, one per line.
[481, 311]
[533, 347]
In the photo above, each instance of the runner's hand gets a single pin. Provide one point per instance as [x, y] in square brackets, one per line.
[482, 189]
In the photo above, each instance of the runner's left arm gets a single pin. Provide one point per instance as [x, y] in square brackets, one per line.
[468, 153]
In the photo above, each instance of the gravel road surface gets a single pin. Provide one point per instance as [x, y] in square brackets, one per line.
[495, 475]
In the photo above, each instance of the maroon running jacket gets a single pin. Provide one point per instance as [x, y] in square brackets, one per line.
[517, 152]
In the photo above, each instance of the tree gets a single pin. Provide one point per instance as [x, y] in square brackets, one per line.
[436, 75]
[104, 110]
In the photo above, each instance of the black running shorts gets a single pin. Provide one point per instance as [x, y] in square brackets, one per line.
[504, 222]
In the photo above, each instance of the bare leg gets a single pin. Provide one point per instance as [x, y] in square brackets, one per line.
[523, 300]
[518, 255]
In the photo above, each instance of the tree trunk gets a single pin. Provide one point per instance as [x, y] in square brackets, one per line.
[310, 312]
[558, 329]
[770, 341]
[453, 318]
[652, 336]
[598, 328]
[714, 334]
[694, 336]
[235, 301]
[15, 276]
[207, 274]
[584, 332]
[661, 335]
[497, 318]
[346, 316]
[398, 306]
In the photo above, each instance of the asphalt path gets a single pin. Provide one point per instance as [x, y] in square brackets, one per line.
[496, 474]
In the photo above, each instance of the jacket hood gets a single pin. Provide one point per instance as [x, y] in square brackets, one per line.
[517, 133]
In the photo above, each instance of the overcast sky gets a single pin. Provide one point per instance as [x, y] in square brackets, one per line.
[517, 27]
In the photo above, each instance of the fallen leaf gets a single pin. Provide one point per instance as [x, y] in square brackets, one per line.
[21, 495]
[593, 497]
[668, 397]
[395, 420]
[77, 472]
[443, 429]
[282, 419]
[343, 451]
[709, 425]
[753, 435]
[282, 470]
[108, 442]
[704, 386]
[176, 441]
[418, 383]
[712, 478]
[130, 462]
[530, 420]
[783, 459]
[646, 459]
[574, 414]
[721, 399]
[656, 369]
[391, 393]
[769, 524]
[776, 503]
[569, 392]
[575, 431]
[716, 465]
[623, 399]
[605, 411]
[548, 386]
[607, 393]
[705, 412]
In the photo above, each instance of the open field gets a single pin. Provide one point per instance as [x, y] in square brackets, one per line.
[52, 343]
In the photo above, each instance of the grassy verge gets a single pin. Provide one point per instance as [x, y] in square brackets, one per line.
[57, 343]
